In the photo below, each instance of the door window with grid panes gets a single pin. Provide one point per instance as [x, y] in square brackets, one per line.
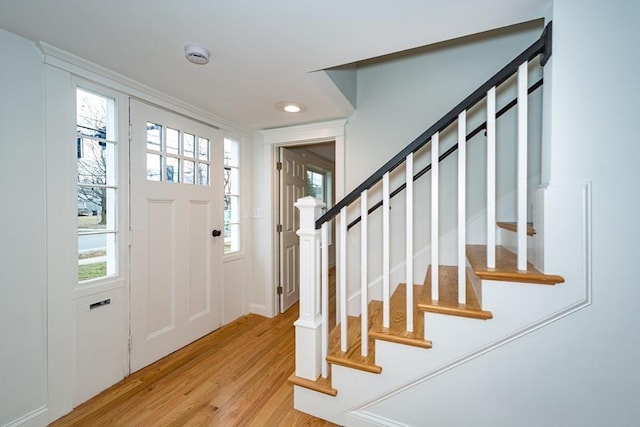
[176, 156]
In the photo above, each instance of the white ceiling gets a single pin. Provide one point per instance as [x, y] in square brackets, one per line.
[263, 51]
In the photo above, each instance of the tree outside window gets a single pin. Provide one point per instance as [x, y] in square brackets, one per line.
[96, 185]
[231, 196]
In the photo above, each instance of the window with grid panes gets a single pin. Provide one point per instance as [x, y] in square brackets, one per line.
[231, 196]
[97, 185]
[176, 156]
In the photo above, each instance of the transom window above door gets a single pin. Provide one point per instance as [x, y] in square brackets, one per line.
[177, 157]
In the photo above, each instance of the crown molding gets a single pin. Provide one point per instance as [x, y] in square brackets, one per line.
[88, 70]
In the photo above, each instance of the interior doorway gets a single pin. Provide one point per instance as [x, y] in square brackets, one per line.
[303, 170]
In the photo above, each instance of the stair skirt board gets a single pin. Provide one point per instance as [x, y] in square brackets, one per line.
[359, 390]
[502, 334]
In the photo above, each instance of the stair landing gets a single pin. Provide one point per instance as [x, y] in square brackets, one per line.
[506, 267]
[512, 226]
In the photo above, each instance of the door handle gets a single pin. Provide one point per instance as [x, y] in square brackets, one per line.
[216, 233]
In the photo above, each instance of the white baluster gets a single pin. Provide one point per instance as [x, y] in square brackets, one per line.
[435, 173]
[491, 178]
[522, 165]
[324, 262]
[342, 282]
[409, 239]
[462, 199]
[308, 330]
[385, 250]
[364, 298]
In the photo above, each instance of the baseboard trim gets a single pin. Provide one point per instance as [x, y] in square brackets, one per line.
[36, 418]
[375, 420]
[259, 309]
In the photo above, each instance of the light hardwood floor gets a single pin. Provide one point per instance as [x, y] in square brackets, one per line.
[235, 376]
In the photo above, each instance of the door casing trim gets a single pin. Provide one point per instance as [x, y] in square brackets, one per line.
[290, 136]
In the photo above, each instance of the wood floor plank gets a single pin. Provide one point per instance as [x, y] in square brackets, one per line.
[236, 376]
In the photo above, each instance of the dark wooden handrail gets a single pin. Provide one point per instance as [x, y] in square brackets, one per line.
[540, 46]
[450, 151]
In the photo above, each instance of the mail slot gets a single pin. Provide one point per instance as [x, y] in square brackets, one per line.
[100, 303]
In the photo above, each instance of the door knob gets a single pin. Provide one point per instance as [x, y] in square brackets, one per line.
[216, 233]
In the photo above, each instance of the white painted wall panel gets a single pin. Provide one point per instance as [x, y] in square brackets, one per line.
[23, 333]
[233, 289]
[99, 343]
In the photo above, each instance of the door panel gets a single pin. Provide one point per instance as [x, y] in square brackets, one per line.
[199, 253]
[160, 285]
[176, 263]
[292, 188]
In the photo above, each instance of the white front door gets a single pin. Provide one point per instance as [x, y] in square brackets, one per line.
[292, 187]
[176, 217]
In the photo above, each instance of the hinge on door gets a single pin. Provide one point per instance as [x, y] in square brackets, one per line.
[279, 290]
[279, 166]
[129, 343]
[279, 228]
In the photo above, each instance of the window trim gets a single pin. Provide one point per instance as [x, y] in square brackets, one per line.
[120, 139]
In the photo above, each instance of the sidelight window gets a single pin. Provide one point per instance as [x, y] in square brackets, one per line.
[231, 196]
[97, 185]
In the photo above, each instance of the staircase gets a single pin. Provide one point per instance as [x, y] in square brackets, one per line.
[389, 336]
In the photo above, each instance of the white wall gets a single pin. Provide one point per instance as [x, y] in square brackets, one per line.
[582, 370]
[23, 265]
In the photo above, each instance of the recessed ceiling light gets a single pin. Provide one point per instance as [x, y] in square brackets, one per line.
[290, 107]
[196, 54]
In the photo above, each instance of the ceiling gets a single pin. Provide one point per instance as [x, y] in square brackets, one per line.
[262, 51]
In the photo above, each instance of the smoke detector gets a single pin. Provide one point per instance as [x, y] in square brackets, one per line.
[196, 54]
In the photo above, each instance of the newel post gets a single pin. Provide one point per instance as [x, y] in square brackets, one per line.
[308, 330]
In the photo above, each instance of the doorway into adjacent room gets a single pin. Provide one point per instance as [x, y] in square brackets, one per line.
[303, 170]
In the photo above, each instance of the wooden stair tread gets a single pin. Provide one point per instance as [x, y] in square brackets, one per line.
[506, 267]
[447, 302]
[397, 320]
[322, 385]
[513, 226]
[353, 358]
